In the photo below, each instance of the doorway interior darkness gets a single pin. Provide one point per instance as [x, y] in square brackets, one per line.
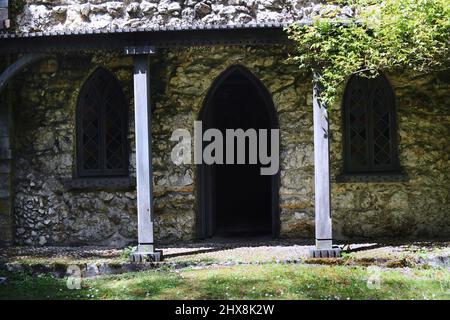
[235, 200]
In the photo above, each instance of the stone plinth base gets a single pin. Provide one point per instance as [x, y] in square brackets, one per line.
[145, 256]
[324, 253]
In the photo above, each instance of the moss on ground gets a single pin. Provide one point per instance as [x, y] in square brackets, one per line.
[270, 281]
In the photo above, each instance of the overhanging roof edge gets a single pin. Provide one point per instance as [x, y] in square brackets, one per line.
[238, 34]
[265, 25]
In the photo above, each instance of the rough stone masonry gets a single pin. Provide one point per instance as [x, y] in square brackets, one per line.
[49, 15]
[47, 211]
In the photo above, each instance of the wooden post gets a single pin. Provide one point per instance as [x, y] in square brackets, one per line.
[322, 196]
[146, 249]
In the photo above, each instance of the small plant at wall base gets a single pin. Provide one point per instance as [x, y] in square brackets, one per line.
[381, 35]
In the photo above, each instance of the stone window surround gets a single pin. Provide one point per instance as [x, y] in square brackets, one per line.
[99, 183]
[104, 104]
[393, 167]
[387, 177]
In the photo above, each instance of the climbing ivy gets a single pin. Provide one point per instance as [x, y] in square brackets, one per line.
[381, 35]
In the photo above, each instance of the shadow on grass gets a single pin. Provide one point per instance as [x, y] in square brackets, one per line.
[239, 282]
[139, 285]
[25, 286]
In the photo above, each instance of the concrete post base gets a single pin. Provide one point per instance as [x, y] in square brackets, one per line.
[143, 255]
[325, 253]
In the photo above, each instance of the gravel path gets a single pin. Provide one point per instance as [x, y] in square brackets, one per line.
[220, 251]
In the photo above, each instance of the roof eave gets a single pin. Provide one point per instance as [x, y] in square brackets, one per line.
[245, 34]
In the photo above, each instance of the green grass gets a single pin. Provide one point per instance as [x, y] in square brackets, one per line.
[271, 281]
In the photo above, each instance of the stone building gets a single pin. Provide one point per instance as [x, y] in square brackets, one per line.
[73, 77]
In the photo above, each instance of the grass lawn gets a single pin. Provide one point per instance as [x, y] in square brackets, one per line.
[269, 281]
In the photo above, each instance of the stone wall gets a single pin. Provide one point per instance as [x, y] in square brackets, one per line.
[419, 207]
[50, 15]
[6, 214]
[185, 79]
[47, 213]
[44, 110]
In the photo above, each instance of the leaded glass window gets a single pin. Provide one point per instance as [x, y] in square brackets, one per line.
[370, 126]
[102, 124]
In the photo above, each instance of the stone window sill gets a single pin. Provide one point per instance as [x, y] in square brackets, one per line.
[100, 183]
[374, 177]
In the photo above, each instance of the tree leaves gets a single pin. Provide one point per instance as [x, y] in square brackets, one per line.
[383, 35]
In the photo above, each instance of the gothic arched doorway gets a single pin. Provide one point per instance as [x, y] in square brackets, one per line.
[235, 200]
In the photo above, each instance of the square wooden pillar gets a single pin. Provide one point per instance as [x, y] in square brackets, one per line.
[146, 248]
[323, 223]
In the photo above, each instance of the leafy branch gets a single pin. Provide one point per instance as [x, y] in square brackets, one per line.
[382, 35]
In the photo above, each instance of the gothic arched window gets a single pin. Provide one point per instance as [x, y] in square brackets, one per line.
[370, 142]
[102, 123]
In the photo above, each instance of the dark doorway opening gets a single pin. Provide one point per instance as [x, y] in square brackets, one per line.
[235, 200]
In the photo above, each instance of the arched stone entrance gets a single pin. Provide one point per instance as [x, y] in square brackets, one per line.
[235, 200]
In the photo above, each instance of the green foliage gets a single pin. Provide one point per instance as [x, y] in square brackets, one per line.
[126, 252]
[267, 281]
[382, 35]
